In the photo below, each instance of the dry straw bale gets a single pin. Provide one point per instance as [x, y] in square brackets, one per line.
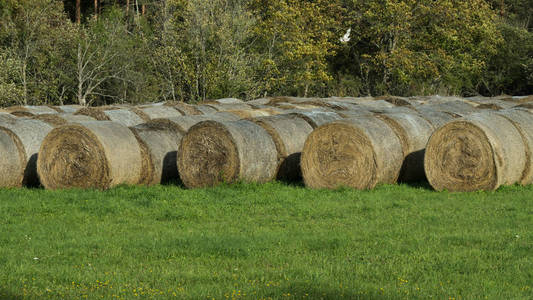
[479, 152]
[206, 109]
[289, 133]
[156, 112]
[184, 123]
[31, 134]
[13, 160]
[184, 108]
[213, 152]
[252, 113]
[69, 109]
[359, 153]
[228, 106]
[125, 116]
[317, 118]
[348, 114]
[414, 132]
[460, 108]
[29, 111]
[436, 118]
[523, 121]
[62, 118]
[228, 101]
[98, 154]
[159, 143]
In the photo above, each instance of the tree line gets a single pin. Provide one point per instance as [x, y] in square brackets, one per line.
[112, 51]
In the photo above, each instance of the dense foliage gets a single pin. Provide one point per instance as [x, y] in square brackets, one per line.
[105, 51]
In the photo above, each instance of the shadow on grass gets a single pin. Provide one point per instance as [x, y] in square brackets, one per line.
[310, 291]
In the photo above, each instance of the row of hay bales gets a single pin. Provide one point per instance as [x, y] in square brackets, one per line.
[330, 142]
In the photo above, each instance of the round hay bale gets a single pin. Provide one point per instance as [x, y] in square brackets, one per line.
[62, 118]
[127, 117]
[436, 118]
[350, 114]
[523, 122]
[259, 101]
[159, 143]
[213, 152]
[479, 152]
[396, 101]
[375, 104]
[184, 108]
[413, 132]
[206, 109]
[358, 153]
[70, 109]
[525, 107]
[289, 133]
[31, 134]
[6, 117]
[317, 118]
[157, 112]
[251, 113]
[228, 106]
[228, 101]
[29, 111]
[13, 160]
[460, 108]
[89, 155]
[184, 123]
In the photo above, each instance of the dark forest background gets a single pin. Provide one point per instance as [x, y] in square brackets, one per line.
[106, 51]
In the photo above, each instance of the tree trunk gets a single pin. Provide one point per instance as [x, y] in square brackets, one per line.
[96, 9]
[127, 7]
[143, 9]
[78, 11]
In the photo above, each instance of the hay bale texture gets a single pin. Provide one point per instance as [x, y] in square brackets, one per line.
[31, 134]
[414, 132]
[13, 160]
[184, 123]
[213, 152]
[479, 152]
[289, 133]
[523, 121]
[160, 111]
[62, 118]
[98, 154]
[358, 153]
[159, 142]
[29, 111]
[125, 116]
[317, 118]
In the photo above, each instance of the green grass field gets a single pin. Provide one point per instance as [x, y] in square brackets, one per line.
[266, 241]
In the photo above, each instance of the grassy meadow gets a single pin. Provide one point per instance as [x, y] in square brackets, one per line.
[266, 241]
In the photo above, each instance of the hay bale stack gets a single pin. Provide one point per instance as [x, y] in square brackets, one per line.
[317, 118]
[479, 152]
[228, 101]
[157, 112]
[414, 132]
[13, 160]
[436, 118]
[29, 111]
[159, 143]
[523, 121]
[228, 106]
[127, 117]
[184, 123]
[213, 152]
[6, 117]
[350, 114]
[31, 134]
[62, 118]
[358, 153]
[69, 109]
[98, 154]
[184, 108]
[252, 113]
[460, 108]
[206, 109]
[289, 133]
